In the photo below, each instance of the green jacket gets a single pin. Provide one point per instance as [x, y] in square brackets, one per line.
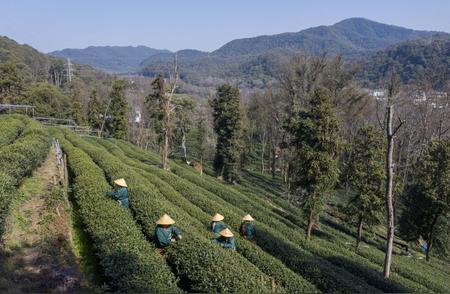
[163, 237]
[248, 230]
[217, 227]
[120, 194]
[227, 243]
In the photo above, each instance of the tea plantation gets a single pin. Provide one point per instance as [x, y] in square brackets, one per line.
[281, 260]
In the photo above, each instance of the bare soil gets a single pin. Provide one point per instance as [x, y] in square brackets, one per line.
[36, 252]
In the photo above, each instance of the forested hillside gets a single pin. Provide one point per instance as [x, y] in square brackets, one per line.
[30, 77]
[110, 58]
[250, 63]
[415, 60]
[350, 37]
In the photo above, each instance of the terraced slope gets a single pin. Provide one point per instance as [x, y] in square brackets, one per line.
[280, 261]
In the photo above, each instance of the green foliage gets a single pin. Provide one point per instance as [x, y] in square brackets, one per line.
[10, 80]
[48, 100]
[26, 153]
[414, 61]
[225, 271]
[227, 125]
[77, 112]
[366, 178]
[117, 125]
[95, 111]
[198, 139]
[427, 204]
[168, 185]
[11, 128]
[279, 240]
[6, 194]
[154, 106]
[210, 268]
[314, 171]
[19, 159]
[128, 261]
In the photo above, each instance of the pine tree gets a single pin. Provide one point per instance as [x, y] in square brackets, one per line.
[95, 111]
[227, 126]
[314, 167]
[117, 126]
[427, 203]
[366, 177]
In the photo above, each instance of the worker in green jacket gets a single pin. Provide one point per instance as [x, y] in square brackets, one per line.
[121, 192]
[226, 239]
[247, 228]
[217, 223]
[166, 232]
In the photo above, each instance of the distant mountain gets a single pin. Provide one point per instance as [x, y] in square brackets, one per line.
[346, 37]
[110, 58]
[248, 62]
[421, 59]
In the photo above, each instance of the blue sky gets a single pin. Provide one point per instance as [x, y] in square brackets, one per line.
[199, 24]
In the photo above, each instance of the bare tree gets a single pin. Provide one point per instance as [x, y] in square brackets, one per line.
[392, 91]
[168, 108]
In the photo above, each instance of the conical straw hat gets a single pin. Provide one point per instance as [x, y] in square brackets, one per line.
[248, 217]
[226, 233]
[217, 217]
[120, 182]
[165, 220]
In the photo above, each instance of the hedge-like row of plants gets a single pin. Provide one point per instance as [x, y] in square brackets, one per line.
[404, 269]
[18, 160]
[323, 274]
[292, 282]
[6, 193]
[10, 127]
[201, 265]
[370, 271]
[405, 274]
[334, 253]
[128, 261]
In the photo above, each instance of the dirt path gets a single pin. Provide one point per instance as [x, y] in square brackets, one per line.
[36, 254]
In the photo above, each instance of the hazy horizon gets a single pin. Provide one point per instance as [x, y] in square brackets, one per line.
[199, 25]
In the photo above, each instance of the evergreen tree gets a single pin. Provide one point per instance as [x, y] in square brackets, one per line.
[95, 111]
[77, 112]
[117, 126]
[227, 126]
[154, 106]
[366, 176]
[314, 166]
[199, 139]
[427, 203]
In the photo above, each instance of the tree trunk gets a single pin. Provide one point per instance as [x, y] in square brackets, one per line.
[360, 228]
[389, 184]
[430, 238]
[310, 226]
[183, 144]
[165, 150]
